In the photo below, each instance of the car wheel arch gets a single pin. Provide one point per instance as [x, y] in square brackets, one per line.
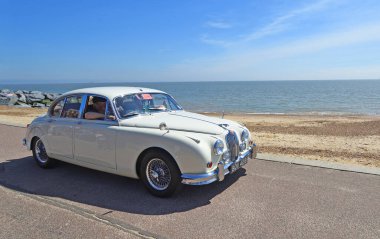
[32, 141]
[33, 133]
[150, 149]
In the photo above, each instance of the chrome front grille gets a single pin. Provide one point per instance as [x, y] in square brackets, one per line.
[232, 142]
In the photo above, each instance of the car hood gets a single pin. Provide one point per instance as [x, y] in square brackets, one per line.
[183, 121]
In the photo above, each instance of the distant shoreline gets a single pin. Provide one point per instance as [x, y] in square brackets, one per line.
[324, 97]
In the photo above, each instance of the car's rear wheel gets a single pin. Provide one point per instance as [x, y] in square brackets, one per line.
[40, 154]
[160, 173]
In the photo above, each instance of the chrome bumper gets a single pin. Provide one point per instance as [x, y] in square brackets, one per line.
[219, 173]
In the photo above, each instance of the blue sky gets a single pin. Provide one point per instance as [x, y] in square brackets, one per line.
[100, 41]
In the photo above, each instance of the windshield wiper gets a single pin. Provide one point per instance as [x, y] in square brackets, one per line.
[157, 109]
[133, 113]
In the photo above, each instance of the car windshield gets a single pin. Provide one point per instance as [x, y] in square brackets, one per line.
[144, 103]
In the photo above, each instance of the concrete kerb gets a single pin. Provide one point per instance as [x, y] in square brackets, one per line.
[319, 163]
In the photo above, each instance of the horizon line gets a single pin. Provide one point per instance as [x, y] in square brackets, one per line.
[115, 82]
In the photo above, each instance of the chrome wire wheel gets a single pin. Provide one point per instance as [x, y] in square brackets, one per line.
[158, 174]
[40, 150]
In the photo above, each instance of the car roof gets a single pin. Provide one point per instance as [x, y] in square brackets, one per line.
[112, 92]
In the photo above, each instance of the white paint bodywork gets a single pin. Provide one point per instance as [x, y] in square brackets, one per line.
[115, 146]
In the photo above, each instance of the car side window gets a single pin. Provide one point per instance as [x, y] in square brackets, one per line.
[95, 108]
[57, 108]
[71, 108]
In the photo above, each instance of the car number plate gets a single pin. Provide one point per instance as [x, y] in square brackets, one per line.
[234, 167]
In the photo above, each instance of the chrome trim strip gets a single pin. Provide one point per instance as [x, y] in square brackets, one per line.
[219, 173]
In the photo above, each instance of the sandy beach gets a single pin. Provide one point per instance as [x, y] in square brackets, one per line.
[350, 139]
[19, 116]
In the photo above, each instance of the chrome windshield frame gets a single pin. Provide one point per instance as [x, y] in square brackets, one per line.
[120, 117]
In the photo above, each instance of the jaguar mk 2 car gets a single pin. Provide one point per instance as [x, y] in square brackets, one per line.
[139, 133]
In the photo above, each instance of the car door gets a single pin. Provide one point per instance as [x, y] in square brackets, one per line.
[94, 140]
[60, 127]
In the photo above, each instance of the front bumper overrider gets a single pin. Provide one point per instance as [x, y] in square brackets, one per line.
[219, 173]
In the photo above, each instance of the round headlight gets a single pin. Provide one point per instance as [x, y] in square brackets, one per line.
[245, 135]
[218, 147]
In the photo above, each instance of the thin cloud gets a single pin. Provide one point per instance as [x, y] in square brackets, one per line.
[205, 39]
[282, 23]
[252, 62]
[355, 35]
[279, 24]
[218, 24]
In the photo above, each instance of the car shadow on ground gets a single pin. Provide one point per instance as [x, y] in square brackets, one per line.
[104, 190]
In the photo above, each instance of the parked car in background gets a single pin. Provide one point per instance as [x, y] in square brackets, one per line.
[139, 133]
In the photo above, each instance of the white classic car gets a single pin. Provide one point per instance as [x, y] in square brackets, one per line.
[138, 133]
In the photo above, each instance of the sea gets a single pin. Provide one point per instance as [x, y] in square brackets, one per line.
[334, 97]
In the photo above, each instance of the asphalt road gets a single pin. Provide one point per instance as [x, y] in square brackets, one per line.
[264, 200]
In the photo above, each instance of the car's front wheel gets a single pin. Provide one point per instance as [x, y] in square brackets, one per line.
[160, 173]
[40, 155]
